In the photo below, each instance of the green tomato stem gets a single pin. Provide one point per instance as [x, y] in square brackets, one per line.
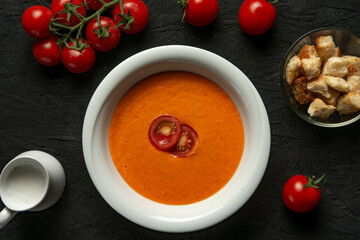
[184, 5]
[121, 8]
[314, 183]
[79, 31]
[273, 2]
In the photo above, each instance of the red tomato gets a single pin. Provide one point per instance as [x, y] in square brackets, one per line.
[107, 43]
[35, 21]
[58, 6]
[186, 142]
[76, 61]
[256, 16]
[164, 132]
[47, 52]
[95, 4]
[199, 13]
[138, 11]
[301, 194]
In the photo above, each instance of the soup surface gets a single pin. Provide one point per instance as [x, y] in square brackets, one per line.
[159, 175]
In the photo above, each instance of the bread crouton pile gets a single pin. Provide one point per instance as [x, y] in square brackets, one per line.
[321, 77]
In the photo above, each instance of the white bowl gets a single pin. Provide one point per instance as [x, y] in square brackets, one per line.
[176, 218]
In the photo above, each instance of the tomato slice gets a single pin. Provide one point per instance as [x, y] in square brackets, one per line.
[186, 142]
[164, 132]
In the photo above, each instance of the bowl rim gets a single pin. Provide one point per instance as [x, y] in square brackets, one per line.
[260, 160]
[296, 111]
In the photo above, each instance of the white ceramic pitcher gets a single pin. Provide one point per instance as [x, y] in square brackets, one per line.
[32, 181]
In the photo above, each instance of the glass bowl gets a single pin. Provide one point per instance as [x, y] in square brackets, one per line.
[349, 44]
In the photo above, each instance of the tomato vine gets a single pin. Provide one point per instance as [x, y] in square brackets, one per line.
[64, 32]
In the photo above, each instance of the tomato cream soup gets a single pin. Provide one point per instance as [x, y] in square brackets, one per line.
[159, 175]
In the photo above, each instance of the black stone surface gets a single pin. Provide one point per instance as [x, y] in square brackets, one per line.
[43, 108]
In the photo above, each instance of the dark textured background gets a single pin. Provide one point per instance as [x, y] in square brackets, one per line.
[43, 108]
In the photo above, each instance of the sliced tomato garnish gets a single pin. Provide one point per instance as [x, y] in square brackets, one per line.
[186, 142]
[164, 132]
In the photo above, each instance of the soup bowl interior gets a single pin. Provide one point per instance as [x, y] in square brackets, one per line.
[176, 218]
[349, 45]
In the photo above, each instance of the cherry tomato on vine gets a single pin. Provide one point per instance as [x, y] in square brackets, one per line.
[58, 5]
[104, 39]
[78, 61]
[301, 194]
[257, 16]
[139, 13]
[199, 13]
[35, 21]
[47, 52]
[95, 4]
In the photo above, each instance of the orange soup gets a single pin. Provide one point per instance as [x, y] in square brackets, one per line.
[159, 175]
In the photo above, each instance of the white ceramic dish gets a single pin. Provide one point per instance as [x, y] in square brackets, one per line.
[170, 218]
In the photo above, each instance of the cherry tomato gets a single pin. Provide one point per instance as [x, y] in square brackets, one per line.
[164, 132]
[199, 13]
[47, 52]
[186, 142]
[35, 21]
[301, 194]
[138, 10]
[110, 37]
[256, 16]
[95, 4]
[76, 61]
[58, 6]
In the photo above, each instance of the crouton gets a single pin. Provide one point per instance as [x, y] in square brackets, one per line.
[319, 75]
[293, 69]
[308, 51]
[353, 66]
[300, 91]
[337, 52]
[325, 47]
[348, 103]
[319, 109]
[354, 83]
[337, 83]
[334, 96]
[318, 85]
[311, 67]
[336, 67]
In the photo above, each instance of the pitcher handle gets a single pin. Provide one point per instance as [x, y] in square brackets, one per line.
[5, 216]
